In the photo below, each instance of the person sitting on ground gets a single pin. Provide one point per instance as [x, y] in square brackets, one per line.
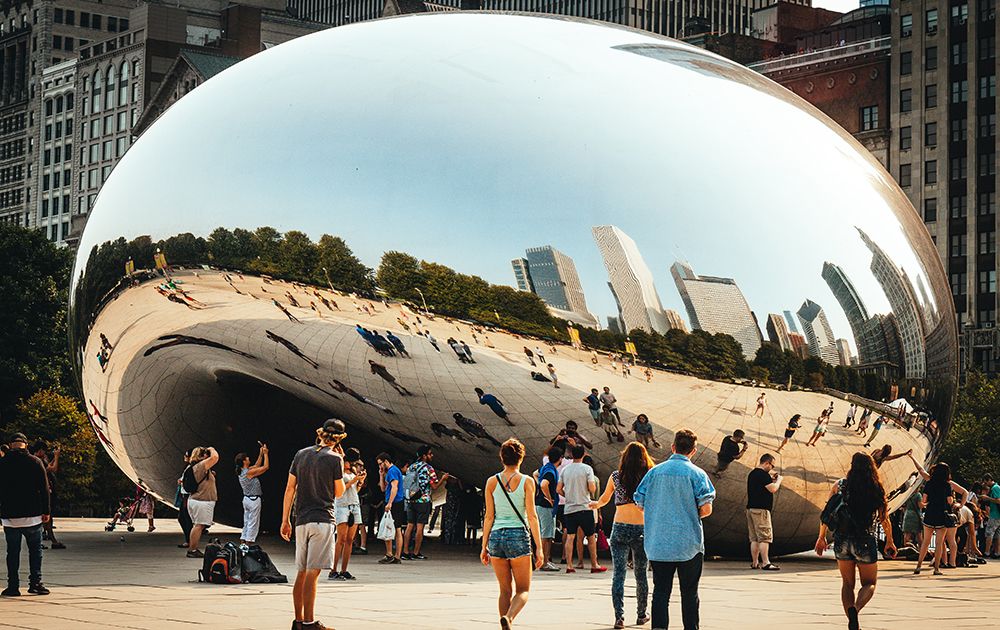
[643, 430]
[540, 377]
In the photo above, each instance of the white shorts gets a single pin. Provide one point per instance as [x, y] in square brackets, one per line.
[201, 512]
[314, 546]
[341, 513]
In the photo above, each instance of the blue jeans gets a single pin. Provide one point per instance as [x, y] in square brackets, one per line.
[33, 536]
[689, 574]
[626, 537]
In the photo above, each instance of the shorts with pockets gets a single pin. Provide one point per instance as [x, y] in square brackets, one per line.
[399, 514]
[509, 543]
[546, 522]
[314, 546]
[342, 512]
[860, 549]
[418, 513]
[579, 520]
[759, 525]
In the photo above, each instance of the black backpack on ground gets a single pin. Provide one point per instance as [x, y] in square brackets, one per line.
[222, 564]
[257, 568]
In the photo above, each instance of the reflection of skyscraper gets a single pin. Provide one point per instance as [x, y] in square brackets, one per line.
[615, 325]
[799, 344]
[868, 336]
[630, 280]
[791, 322]
[844, 351]
[717, 305]
[552, 276]
[777, 331]
[522, 274]
[675, 320]
[902, 299]
[818, 333]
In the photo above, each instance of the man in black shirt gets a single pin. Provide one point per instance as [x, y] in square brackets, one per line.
[762, 483]
[733, 447]
[24, 506]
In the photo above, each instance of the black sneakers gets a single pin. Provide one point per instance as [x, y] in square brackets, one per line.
[38, 589]
[11, 591]
[417, 556]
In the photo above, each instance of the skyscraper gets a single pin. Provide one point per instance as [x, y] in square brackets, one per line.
[675, 320]
[791, 322]
[818, 333]
[551, 275]
[868, 337]
[631, 281]
[522, 275]
[777, 331]
[902, 300]
[844, 351]
[717, 305]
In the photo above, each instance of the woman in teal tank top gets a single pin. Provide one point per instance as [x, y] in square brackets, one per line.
[509, 522]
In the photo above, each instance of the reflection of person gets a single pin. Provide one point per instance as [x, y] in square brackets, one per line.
[508, 527]
[854, 540]
[530, 355]
[793, 425]
[733, 447]
[761, 403]
[593, 401]
[474, 428]
[875, 429]
[494, 404]
[608, 400]
[552, 373]
[675, 496]
[380, 370]
[821, 427]
[643, 430]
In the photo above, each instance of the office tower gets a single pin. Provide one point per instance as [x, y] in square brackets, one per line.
[716, 305]
[777, 331]
[790, 320]
[799, 344]
[631, 281]
[615, 325]
[844, 351]
[551, 275]
[522, 275]
[868, 337]
[818, 333]
[675, 320]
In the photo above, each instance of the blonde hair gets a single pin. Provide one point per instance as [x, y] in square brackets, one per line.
[198, 453]
[328, 438]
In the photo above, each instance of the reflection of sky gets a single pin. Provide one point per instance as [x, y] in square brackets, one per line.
[464, 139]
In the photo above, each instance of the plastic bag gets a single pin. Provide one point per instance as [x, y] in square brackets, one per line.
[386, 528]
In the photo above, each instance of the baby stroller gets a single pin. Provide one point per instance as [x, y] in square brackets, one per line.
[128, 507]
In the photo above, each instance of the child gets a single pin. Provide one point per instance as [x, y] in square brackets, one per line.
[644, 431]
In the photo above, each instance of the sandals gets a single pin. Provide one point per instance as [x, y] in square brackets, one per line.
[570, 570]
[505, 622]
[754, 566]
[770, 567]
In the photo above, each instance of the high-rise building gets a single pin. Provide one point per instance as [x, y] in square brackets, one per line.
[944, 153]
[844, 351]
[522, 275]
[631, 281]
[615, 325]
[777, 331]
[799, 344]
[790, 320]
[717, 305]
[675, 320]
[818, 332]
[54, 170]
[902, 299]
[868, 337]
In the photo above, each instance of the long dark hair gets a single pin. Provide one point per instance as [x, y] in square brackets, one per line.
[866, 495]
[635, 462]
[938, 483]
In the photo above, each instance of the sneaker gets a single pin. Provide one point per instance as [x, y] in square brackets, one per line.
[334, 576]
[619, 623]
[195, 553]
[387, 560]
[361, 551]
[58, 545]
[418, 556]
[639, 621]
[548, 566]
[11, 591]
[405, 556]
[346, 575]
[38, 589]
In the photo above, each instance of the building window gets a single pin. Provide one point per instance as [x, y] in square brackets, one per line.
[958, 245]
[988, 47]
[869, 118]
[57, 155]
[84, 19]
[930, 134]
[930, 172]
[904, 175]
[988, 281]
[98, 86]
[959, 53]
[107, 150]
[988, 242]
[958, 130]
[120, 146]
[987, 203]
[57, 16]
[57, 42]
[959, 168]
[960, 14]
[95, 128]
[68, 152]
[906, 25]
[988, 86]
[95, 153]
[930, 210]
[987, 10]
[958, 206]
[930, 96]
[958, 283]
[987, 164]
[69, 102]
[45, 182]
[905, 138]
[932, 19]
[46, 157]
[70, 17]
[959, 91]
[109, 124]
[930, 58]
[112, 24]
[95, 21]
[905, 100]
[122, 122]
[45, 208]
[905, 63]
[48, 107]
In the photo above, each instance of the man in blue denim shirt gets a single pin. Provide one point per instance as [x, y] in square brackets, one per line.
[675, 495]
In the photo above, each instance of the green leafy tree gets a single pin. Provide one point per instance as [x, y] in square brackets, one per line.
[400, 276]
[34, 275]
[973, 444]
[345, 270]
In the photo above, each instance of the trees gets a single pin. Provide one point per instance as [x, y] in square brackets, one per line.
[973, 444]
[34, 274]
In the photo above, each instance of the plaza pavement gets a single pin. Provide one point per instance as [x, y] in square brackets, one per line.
[142, 581]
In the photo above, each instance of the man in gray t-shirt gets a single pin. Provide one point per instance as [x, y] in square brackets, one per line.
[578, 484]
[315, 480]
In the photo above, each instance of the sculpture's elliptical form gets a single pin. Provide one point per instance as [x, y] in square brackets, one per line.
[462, 140]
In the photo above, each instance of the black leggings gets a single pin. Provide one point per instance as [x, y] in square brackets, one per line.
[184, 518]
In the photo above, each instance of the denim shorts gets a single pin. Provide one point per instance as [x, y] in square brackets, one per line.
[546, 521]
[859, 549]
[509, 543]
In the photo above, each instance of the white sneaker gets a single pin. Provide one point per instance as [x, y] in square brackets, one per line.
[548, 566]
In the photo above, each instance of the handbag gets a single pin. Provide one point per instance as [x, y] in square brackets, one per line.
[602, 541]
[531, 541]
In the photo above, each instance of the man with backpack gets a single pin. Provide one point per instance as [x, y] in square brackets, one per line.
[420, 480]
[199, 481]
[315, 480]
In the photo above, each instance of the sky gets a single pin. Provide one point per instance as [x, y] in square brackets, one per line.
[837, 5]
[438, 146]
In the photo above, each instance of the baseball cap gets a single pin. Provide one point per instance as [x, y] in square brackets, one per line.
[19, 437]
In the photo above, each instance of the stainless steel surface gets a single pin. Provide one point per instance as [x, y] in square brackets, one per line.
[465, 140]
